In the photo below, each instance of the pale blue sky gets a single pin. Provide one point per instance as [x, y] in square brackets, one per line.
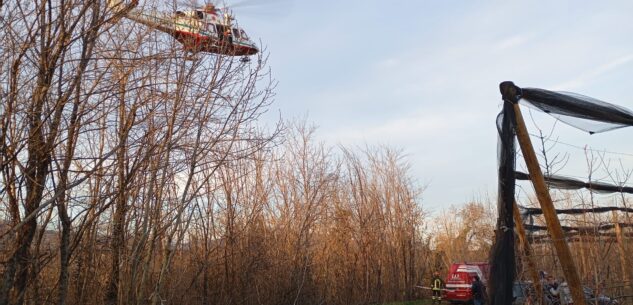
[423, 75]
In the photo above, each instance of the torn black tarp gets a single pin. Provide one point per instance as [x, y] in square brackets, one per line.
[502, 256]
[537, 211]
[601, 227]
[580, 237]
[566, 183]
[583, 112]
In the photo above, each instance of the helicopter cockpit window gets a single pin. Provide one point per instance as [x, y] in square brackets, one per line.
[243, 34]
[199, 15]
[236, 33]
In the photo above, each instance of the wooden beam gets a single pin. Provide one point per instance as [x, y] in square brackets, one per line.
[624, 258]
[527, 252]
[549, 212]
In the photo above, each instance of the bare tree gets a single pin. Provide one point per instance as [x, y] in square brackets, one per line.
[133, 175]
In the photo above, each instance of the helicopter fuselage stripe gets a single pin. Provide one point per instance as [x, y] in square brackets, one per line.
[207, 35]
[202, 37]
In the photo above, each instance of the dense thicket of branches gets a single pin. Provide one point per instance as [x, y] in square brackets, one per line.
[464, 233]
[597, 224]
[133, 176]
[600, 242]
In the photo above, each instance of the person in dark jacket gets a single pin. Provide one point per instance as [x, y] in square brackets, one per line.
[477, 289]
[552, 289]
[437, 284]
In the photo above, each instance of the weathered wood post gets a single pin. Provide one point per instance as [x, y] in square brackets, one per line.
[625, 263]
[527, 251]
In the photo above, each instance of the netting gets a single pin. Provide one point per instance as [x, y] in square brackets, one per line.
[536, 211]
[579, 111]
[580, 237]
[583, 112]
[567, 183]
[585, 230]
[502, 258]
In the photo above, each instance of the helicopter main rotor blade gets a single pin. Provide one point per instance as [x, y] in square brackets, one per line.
[192, 4]
[254, 3]
[270, 8]
[247, 7]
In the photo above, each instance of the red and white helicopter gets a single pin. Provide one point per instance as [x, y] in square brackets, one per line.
[206, 29]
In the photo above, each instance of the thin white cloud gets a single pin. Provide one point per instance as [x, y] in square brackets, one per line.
[388, 63]
[594, 73]
[403, 130]
[511, 42]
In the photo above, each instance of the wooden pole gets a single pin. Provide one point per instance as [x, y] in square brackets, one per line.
[527, 252]
[582, 244]
[624, 258]
[549, 212]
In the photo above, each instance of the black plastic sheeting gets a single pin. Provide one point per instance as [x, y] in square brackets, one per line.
[537, 211]
[602, 227]
[581, 237]
[566, 183]
[502, 255]
[577, 110]
[582, 112]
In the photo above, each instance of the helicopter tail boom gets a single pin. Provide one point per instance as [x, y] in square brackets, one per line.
[118, 7]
